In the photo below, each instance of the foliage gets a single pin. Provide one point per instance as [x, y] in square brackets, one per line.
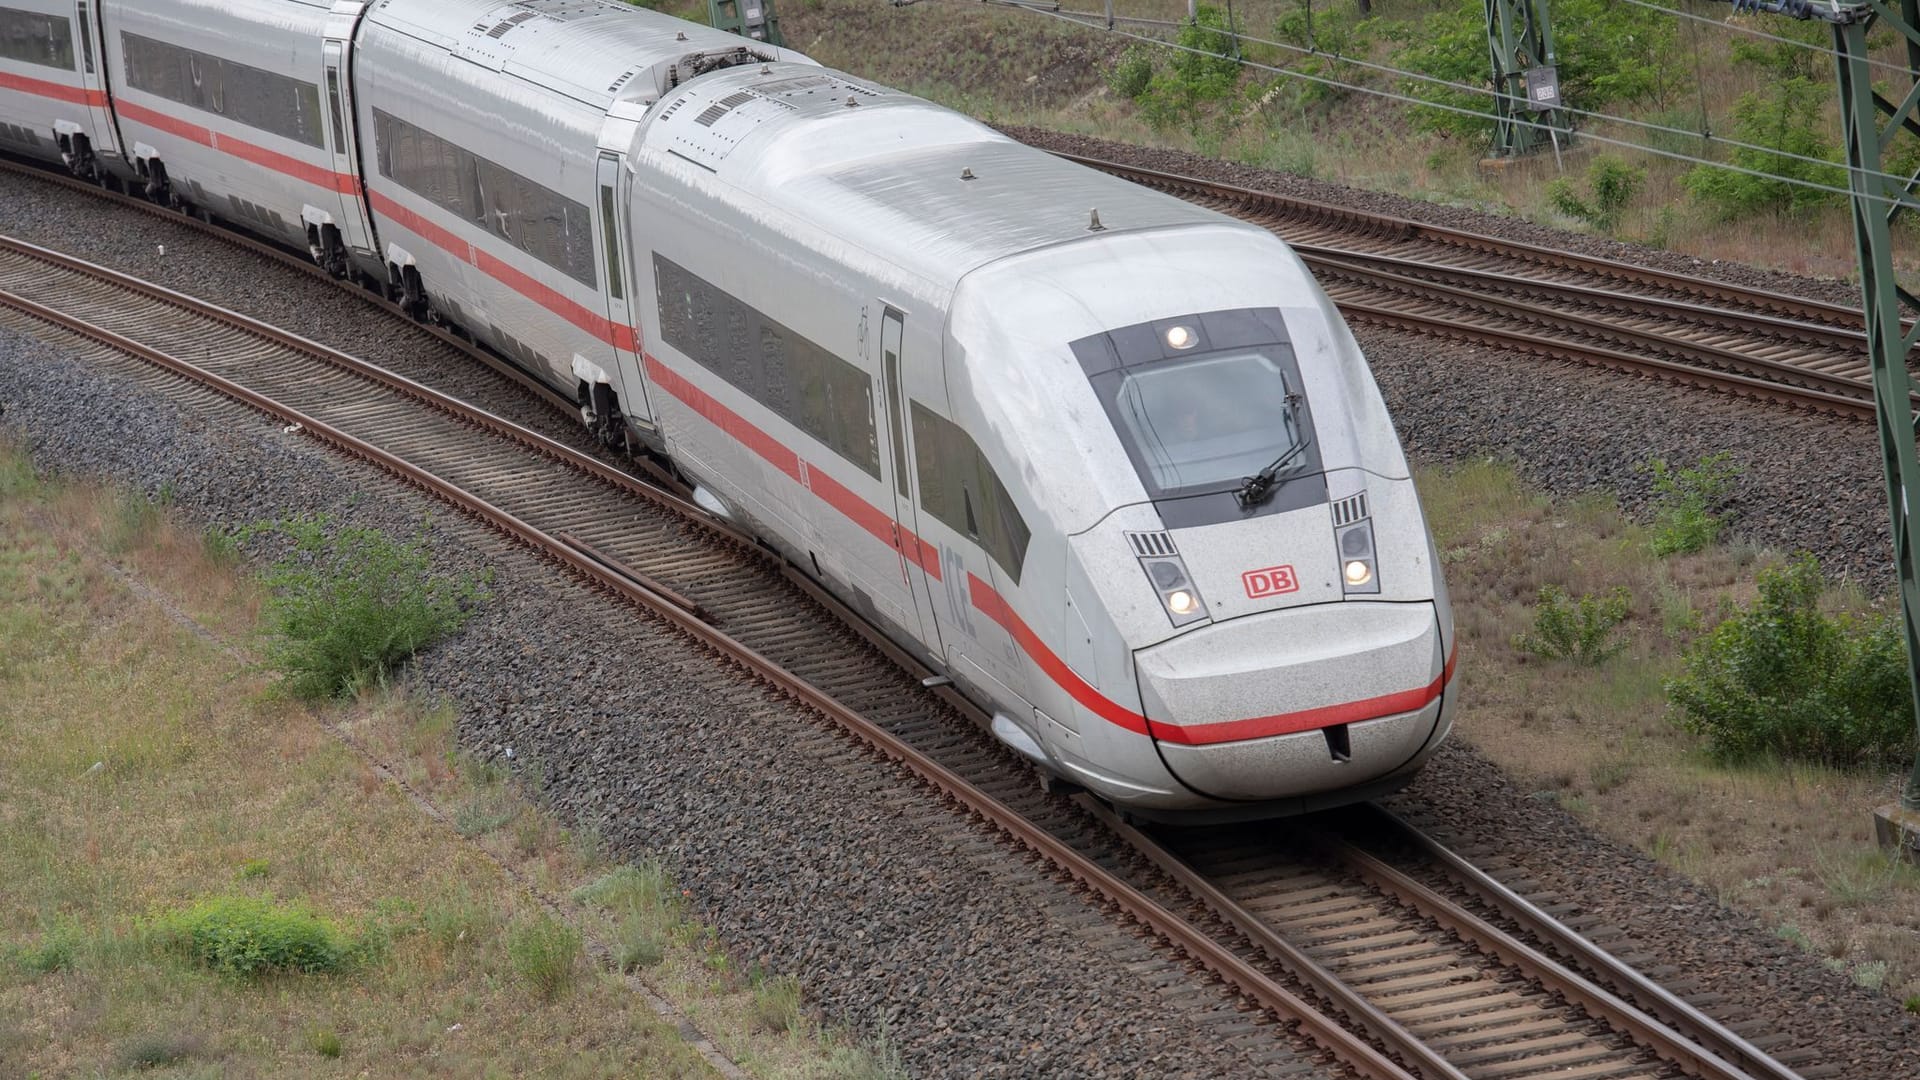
[1172, 95]
[545, 953]
[1781, 678]
[1578, 630]
[1611, 185]
[1333, 34]
[1608, 53]
[1132, 72]
[1787, 119]
[248, 936]
[1684, 501]
[349, 603]
[54, 953]
[1212, 66]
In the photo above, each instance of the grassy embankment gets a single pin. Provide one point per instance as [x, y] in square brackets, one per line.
[174, 837]
[1790, 843]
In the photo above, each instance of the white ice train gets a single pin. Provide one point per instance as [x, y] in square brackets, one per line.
[1111, 462]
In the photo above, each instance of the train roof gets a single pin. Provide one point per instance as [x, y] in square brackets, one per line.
[919, 184]
[591, 50]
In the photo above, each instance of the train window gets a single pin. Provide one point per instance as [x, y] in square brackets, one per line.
[333, 98]
[1203, 401]
[86, 39]
[246, 95]
[808, 386]
[32, 37]
[959, 487]
[531, 216]
[610, 237]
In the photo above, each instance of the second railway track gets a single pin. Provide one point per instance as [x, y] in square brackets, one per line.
[1408, 982]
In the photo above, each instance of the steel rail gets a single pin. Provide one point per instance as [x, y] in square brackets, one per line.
[1536, 314]
[595, 567]
[1650, 996]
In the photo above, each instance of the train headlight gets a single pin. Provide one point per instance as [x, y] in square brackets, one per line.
[1358, 558]
[1169, 578]
[1181, 337]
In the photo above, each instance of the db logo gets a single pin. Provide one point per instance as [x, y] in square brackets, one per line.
[1269, 582]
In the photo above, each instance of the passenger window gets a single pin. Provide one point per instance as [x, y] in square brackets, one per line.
[339, 129]
[955, 478]
[610, 236]
[86, 39]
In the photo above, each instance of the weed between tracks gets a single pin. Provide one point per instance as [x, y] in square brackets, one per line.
[1791, 843]
[202, 879]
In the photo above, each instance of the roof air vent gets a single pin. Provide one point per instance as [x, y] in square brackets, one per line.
[967, 174]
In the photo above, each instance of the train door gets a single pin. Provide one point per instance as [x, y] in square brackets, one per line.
[350, 213]
[626, 338]
[103, 136]
[916, 555]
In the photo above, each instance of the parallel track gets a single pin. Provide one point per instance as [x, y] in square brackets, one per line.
[1388, 980]
[1470, 287]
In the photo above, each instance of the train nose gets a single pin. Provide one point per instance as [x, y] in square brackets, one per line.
[1298, 701]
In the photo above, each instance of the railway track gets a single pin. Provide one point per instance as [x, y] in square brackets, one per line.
[1471, 287]
[1345, 948]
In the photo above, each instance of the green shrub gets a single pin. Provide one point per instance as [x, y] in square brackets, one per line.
[643, 899]
[1611, 184]
[55, 952]
[247, 936]
[1684, 501]
[1578, 630]
[1786, 118]
[1212, 66]
[1130, 74]
[1608, 53]
[348, 606]
[545, 953]
[1782, 679]
[324, 1042]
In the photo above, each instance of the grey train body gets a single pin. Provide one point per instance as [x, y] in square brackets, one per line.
[1111, 462]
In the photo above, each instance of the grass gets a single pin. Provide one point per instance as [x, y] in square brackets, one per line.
[1793, 844]
[173, 836]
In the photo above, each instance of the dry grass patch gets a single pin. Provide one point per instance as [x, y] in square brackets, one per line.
[203, 880]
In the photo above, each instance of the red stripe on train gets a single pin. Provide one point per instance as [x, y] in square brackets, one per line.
[78, 95]
[1351, 712]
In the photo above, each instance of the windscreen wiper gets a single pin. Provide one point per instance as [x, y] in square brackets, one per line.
[1255, 489]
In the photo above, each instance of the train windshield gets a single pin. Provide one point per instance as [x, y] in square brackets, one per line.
[1206, 423]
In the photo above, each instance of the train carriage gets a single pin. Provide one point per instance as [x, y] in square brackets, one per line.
[53, 84]
[223, 107]
[497, 131]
